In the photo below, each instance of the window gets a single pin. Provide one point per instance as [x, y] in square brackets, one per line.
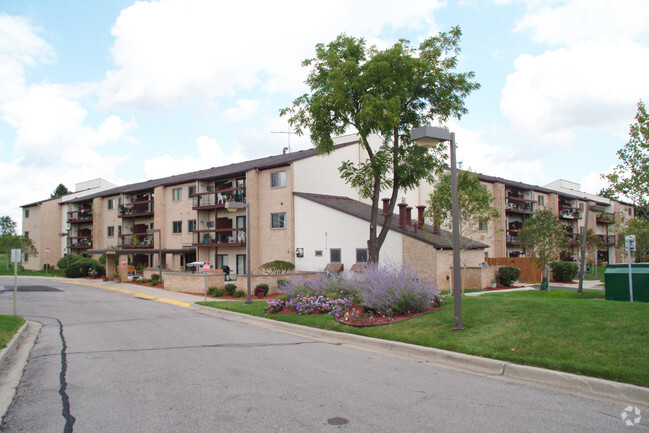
[110, 203]
[335, 255]
[361, 255]
[581, 207]
[177, 194]
[26, 235]
[111, 231]
[119, 230]
[26, 258]
[482, 225]
[278, 220]
[318, 253]
[241, 264]
[541, 200]
[26, 213]
[278, 179]
[190, 191]
[119, 201]
[629, 211]
[221, 260]
[177, 227]
[191, 226]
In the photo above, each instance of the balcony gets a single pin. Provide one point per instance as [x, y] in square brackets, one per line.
[512, 238]
[81, 242]
[515, 204]
[136, 240]
[143, 208]
[217, 199]
[605, 218]
[607, 240]
[80, 216]
[569, 213]
[227, 237]
[573, 238]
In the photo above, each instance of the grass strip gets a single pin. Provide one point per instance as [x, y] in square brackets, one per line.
[560, 330]
[8, 327]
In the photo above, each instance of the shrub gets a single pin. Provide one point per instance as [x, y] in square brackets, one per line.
[85, 267]
[281, 283]
[264, 287]
[155, 279]
[230, 289]
[239, 294]
[135, 278]
[507, 275]
[144, 280]
[217, 292]
[564, 272]
[277, 267]
[63, 261]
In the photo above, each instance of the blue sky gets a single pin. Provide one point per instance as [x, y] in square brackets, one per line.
[129, 91]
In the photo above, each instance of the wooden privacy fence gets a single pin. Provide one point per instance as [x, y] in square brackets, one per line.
[530, 273]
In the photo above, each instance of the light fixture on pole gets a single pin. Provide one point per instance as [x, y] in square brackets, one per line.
[430, 136]
[66, 235]
[159, 249]
[232, 206]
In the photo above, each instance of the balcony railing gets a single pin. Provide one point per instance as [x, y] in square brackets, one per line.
[513, 239]
[218, 198]
[136, 209]
[81, 242]
[227, 237]
[81, 215]
[136, 240]
[607, 240]
[519, 205]
[570, 213]
[605, 218]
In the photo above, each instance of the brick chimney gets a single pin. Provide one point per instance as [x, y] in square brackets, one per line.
[402, 215]
[386, 204]
[408, 216]
[420, 215]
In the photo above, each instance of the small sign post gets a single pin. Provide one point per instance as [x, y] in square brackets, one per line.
[47, 260]
[206, 270]
[629, 244]
[15, 259]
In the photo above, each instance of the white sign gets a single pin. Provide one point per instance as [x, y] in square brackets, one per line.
[124, 261]
[629, 242]
[206, 267]
[15, 256]
[47, 250]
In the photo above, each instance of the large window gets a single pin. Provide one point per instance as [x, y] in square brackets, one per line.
[541, 200]
[335, 255]
[26, 213]
[177, 194]
[110, 203]
[190, 191]
[278, 220]
[361, 255]
[241, 264]
[177, 227]
[191, 226]
[482, 225]
[278, 179]
[111, 231]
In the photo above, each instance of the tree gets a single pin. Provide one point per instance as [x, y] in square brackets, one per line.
[638, 227]
[630, 178]
[7, 226]
[10, 242]
[593, 244]
[475, 204]
[544, 238]
[59, 191]
[386, 93]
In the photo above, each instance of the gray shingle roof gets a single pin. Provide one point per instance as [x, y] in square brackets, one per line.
[363, 211]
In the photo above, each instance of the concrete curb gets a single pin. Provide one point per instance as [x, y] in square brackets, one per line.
[12, 344]
[585, 386]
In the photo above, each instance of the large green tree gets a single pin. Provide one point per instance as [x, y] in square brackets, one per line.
[475, 205]
[630, 178]
[388, 93]
[7, 226]
[634, 226]
[59, 191]
[544, 237]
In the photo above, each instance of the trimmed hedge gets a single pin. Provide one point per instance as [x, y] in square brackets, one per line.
[507, 275]
[230, 289]
[83, 268]
[277, 267]
[63, 261]
[564, 272]
[264, 287]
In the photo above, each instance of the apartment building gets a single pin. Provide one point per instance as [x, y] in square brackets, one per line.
[300, 211]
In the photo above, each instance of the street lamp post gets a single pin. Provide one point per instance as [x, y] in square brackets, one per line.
[159, 249]
[66, 235]
[232, 206]
[429, 136]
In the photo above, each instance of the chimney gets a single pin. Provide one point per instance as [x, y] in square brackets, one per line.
[408, 216]
[420, 215]
[402, 215]
[386, 204]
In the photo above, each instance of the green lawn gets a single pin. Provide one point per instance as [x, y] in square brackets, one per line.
[8, 327]
[4, 269]
[561, 330]
[600, 274]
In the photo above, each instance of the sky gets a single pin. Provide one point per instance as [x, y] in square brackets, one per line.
[129, 91]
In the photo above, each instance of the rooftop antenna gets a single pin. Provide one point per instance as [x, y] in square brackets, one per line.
[288, 133]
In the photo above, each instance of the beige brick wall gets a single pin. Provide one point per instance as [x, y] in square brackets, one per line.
[44, 225]
[499, 248]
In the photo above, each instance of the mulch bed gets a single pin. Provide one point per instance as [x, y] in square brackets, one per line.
[503, 287]
[232, 298]
[357, 319]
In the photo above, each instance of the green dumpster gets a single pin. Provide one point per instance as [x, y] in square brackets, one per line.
[616, 279]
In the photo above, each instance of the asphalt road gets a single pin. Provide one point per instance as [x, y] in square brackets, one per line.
[110, 362]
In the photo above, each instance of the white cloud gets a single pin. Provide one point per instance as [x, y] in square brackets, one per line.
[576, 21]
[208, 154]
[595, 84]
[244, 109]
[170, 52]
